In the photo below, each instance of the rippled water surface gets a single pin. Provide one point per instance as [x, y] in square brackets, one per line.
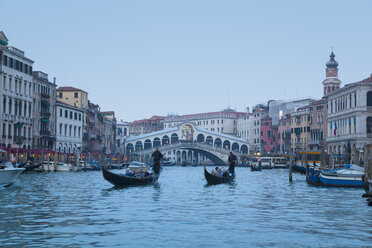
[260, 209]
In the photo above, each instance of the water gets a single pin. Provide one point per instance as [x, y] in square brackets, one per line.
[260, 209]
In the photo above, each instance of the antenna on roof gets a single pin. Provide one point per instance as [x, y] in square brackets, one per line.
[228, 101]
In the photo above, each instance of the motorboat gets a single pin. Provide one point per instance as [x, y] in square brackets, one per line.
[135, 165]
[9, 173]
[61, 167]
[346, 176]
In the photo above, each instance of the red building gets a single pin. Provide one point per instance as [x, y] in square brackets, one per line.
[269, 137]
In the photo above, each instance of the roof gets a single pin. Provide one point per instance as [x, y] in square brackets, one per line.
[68, 105]
[367, 80]
[69, 88]
[218, 114]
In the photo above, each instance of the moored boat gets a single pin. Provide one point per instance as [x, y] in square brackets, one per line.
[8, 173]
[212, 179]
[342, 177]
[122, 180]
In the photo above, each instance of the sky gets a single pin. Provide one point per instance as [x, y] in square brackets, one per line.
[144, 58]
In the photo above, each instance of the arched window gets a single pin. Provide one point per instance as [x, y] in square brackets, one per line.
[369, 98]
[369, 124]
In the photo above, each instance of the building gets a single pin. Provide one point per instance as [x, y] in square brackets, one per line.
[284, 134]
[109, 132]
[224, 121]
[16, 96]
[92, 137]
[155, 123]
[268, 136]
[300, 129]
[122, 133]
[280, 108]
[259, 112]
[350, 119]
[318, 127]
[243, 125]
[44, 112]
[69, 136]
[73, 96]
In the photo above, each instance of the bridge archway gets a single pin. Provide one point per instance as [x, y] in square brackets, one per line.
[174, 138]
[244, 149]
[218, 142]
[138, 146]
[235, 147]
[188, 131]
[209, 140]
[147, 144]
[165, 140]
[129, 149]
[178, 157]
[156, 142]
[226, 144]
[200, 138]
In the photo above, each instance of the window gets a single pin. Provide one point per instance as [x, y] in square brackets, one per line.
[369, 124]
[79, 117]
[76, 94]
[369, 98]
[70, 114]
[66, 114]
[75, 116]
[60, 95]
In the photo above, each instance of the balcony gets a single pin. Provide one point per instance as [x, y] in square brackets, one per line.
[314, 142]
[45, 133]
[45, 96]
[45, 114]
[19, 139]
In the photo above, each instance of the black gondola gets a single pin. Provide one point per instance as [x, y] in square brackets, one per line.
[211, 179]
[256, 168]
[121, 180]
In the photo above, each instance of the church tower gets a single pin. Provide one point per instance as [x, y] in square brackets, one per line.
[331, 83]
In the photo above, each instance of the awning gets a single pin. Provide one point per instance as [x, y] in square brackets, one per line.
[45, 120]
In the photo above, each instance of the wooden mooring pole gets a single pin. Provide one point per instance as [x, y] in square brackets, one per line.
[307, 168]
[290, 168]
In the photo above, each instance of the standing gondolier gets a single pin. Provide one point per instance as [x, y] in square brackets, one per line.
[157, 156]
[232, 160]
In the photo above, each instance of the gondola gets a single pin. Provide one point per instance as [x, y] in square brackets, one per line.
[121, 180]
[211, 179]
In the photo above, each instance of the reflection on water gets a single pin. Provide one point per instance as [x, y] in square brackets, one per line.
[258, 209]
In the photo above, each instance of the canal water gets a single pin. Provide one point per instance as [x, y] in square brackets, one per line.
[261, 209]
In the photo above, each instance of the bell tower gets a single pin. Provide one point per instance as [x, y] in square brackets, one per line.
[331, 83]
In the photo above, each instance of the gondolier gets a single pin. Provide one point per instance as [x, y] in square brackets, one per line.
[232, 160]
[157, 156]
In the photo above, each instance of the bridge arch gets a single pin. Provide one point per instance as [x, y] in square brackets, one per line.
[209, 140]
[174, 138]
[244, 149]
[226, 144]
[235, 147]
[165, 140]
[218, 142]
[200, 138]
[129, 148]
[147, 144]
[138, 146]
[156, 142]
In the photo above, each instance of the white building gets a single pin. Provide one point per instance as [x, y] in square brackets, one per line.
[350, 118]
[221, 122]
[243, 126]
[16, 96]
[122, 132]
[69, 128]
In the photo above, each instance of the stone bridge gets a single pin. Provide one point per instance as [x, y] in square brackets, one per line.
[185, 143]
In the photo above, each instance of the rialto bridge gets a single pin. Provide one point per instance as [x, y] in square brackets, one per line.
[186, 144]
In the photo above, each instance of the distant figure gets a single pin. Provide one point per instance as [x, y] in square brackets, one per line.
[157, 156]
[232, 160]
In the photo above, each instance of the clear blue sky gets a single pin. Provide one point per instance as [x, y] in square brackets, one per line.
[144, 58]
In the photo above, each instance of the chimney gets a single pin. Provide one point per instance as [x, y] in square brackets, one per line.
[54, 80]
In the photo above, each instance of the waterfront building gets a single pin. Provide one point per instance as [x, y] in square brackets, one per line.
[318, 126]
[284, 134]
[224, 121]
[44, 112]
[109, 132]
[16, 96]
[259, 112]
[268, 136]
[244, 125]
[92, 137]
[350, 119]
[155, 123]
[69, 137]
[122, 133]
[300, 128]
[280, 108]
